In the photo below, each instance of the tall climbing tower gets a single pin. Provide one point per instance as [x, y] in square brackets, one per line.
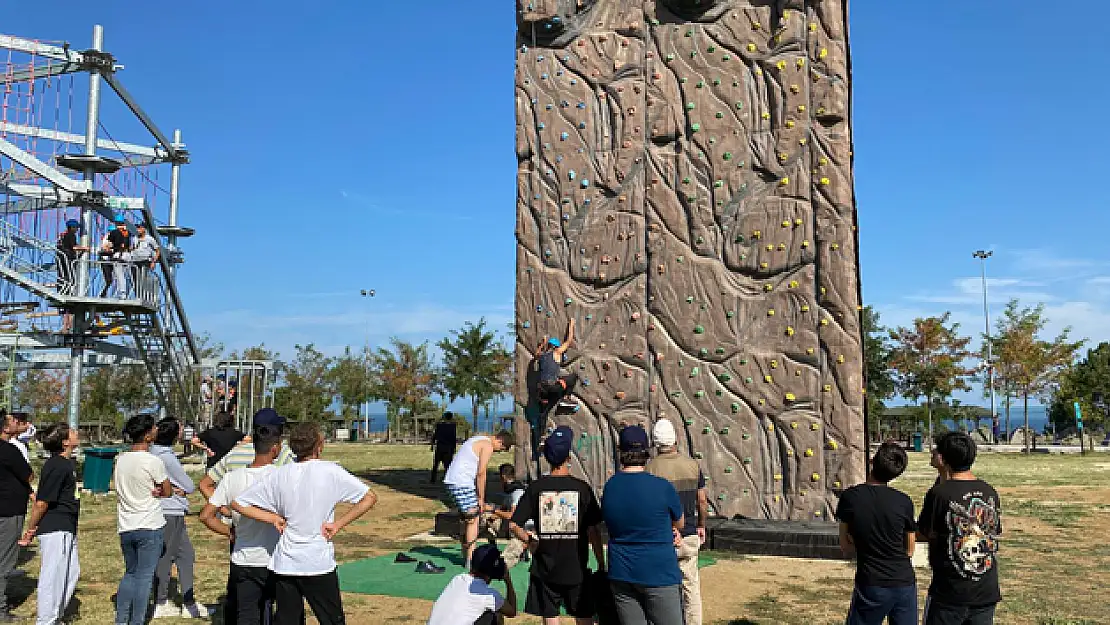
[73, 313]
[685, 194]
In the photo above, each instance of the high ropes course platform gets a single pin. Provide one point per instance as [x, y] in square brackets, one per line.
[59, 313]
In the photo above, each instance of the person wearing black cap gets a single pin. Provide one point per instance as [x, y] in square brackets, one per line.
[566, 517]
[468, 598]
[242, 455]
[443, 443]
[644, 517]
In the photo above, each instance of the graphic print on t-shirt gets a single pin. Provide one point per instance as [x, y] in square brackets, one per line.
[559, 512]
[973, 536]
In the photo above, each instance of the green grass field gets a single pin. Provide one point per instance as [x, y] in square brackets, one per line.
[1054, 560]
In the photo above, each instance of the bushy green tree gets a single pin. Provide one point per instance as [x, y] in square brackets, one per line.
[475, 365]
[307, 390]
[928, 362]
[1081, 383]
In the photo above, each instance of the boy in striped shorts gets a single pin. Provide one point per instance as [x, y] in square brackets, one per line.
[466, 483]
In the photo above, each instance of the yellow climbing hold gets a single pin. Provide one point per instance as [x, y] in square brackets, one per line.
[813, 27]
[790, 397]
[756, 25]
[756, 234]
[805, 244]
[815, 426]
[801, 63]
[783, 156]
[809, 453]
[832, 445]
[768, 379]
[828, 387]
[785, 180]
[763, 265]
[835, 246]
[766, 116]
[789, 331]
[802, 141]
[771, 313]
[790, 453]
[836, 484]
[770, 427]
[822, 161]
[781, 65]
[795, 89]
[824, 322]
[770, 247]
[840, 359]
[793, 425]
[789, 124]
[778, 477]
[768, 288]
[782, 246]
[801, 108]
[809, 351]
[761, 402]
[825, 181]
[786, 223]
[823, 53]
[816, 477]
[751, 47]
[805, 308]
[793, 284]
[774, 364]
[798, 221]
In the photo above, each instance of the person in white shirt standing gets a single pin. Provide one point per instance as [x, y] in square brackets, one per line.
[299, 500]
[141, 480]
[144, 256]
[465, 481]
[469, 599]
[249, 592]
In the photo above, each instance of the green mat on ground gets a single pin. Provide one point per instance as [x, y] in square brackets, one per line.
[380, 576]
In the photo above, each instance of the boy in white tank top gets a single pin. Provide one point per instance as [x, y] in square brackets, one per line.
[466, 483]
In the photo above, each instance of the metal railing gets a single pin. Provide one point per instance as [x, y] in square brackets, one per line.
[113, 279]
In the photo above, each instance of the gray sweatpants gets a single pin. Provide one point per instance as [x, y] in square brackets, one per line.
[11, 529]
[179, 551]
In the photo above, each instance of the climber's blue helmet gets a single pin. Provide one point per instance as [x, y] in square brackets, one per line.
[73, 223]
[554, 342]
[119, 219]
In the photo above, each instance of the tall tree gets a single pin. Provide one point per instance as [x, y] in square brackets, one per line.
[475, 365]
[928, 361]
[351, 377]
[876, 355]
[404, 377]
[1090, 377]
[307, 387]
[1034, 365]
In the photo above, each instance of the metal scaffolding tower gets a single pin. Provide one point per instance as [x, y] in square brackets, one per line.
[96, 310]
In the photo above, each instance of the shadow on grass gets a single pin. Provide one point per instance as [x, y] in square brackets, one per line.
[416, 482]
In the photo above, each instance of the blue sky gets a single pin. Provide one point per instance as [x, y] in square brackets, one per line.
[347, 145]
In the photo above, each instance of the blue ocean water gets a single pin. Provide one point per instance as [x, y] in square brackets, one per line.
[1038, 417]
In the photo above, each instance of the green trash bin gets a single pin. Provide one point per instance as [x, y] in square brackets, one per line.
[917, 440]
[99, 462]
[352, 435]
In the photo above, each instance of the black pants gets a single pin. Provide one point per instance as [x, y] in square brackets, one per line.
[250, 596]
[942, 614]
[445, 457]
[321, 592]
[552, 391]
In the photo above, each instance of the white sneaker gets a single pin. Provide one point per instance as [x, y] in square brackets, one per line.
[194, 610]
[166, 610]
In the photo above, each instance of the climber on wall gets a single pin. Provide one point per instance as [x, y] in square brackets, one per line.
[555, 389]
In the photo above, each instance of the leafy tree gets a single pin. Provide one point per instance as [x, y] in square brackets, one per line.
[476, 365]
[351, 377]
[927, 360]
[307, 391]
[42, 393]
[404, 377]
[1089, 377]
[132, 390]
[1033, 365]
[876, 355]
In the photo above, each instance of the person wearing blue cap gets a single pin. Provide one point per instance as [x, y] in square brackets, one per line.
[116, 247]
[566, 516]
[554, 388]
[644, 517]
[242, 454]
[469, 599]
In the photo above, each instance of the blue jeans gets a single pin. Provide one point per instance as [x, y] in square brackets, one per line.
[872, 604]
[141, 551]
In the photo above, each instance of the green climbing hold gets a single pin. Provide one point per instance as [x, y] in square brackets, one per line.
[724, 378]
[727, 57]
[747, 459]
[694, 127]
[694, 372]
[686, 180]
[690, 33]
[699, 455]
[746, 436]
[676, 394]
[718, 184]
[720, 393]
[711, 49]
[727, 156]
[730, 314]
[699, 394]
[716, 81]
[748, 379]
[743, 361]
[691, 106]
[739, 105]
[721, 497]
[720, 115]
[690, 299]
[693, 53]
[699, 330]
[568, 301]
[589, 317]
[735, 407]
[699, 241]
[719, 351]
[728, 469]
[724, 431]
[703, 352]
[701, 83]
[670, 57]
[688, 421]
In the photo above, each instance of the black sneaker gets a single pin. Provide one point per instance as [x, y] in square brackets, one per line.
[428, 567]
[403, 558]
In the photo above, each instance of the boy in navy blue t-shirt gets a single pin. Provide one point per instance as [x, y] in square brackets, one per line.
[643, 515]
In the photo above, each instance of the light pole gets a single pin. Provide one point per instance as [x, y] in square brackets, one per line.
[367, 293]
[983, 255]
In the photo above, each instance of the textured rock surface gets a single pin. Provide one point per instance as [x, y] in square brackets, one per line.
[685, 193]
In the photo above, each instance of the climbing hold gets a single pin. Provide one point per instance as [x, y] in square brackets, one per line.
[840, 359]
[730, 314]
[768, 288]
[752, 47]
[805, 244]
[823, 53]
[805, 308]
[699, 455]
[816, 477]
[727, 469]
[790, 453]
[770, 427]
[719, 350]
[783, 182]
[793, 284]
[670, 57]
[695, 127]
[699, 330]
[564, 136]
[815, 426]
[809, 453]
[585, 183]
[781, 65]
[825, 181]
[827, 388]
[735, 407]
[789, 331]
[694, 372]
[778, 478]
[699, 394]
[690, 106]
[824, 322]
[700, 84]
[746, 436]
[724, 378]
[786, 223]
[771, 313]
[739, 105]
[727, 156]
[720, 115]
[832, 445]
[568, 301]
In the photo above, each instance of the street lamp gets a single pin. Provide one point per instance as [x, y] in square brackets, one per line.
[983, 255]
[366, 418]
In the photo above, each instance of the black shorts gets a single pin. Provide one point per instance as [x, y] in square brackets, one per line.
[545, 599]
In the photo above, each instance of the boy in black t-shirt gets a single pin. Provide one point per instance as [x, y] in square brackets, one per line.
[567, 515]
[877, 526]
[962, 520]
[54, 520]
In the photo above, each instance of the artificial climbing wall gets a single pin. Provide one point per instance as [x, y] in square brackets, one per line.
[685, 193]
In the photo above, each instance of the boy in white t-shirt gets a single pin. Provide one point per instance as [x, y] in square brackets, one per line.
[249, 597]
[470, 600]
[299, 500]
[141, 480]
